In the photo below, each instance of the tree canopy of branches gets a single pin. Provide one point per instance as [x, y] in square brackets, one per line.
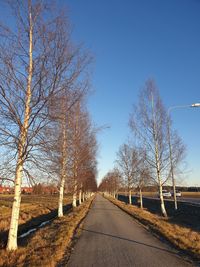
[127, 161]
[111, 182]
[149, 124]
[39, 62]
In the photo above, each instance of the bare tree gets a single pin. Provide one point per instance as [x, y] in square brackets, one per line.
[83, 149]
[38, 62]
[111, 183]
[143, 178]
[176, 154]
[149, 123]
[127, 161]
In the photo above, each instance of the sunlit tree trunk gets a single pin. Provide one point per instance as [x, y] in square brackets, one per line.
[162, 204]
[12, 237]
[130, 199]
[141, 199]
[157, 160]
[63, 164]
[80, 196]
[163, 210]
[61, 194]
[74, 196]
[63, 174]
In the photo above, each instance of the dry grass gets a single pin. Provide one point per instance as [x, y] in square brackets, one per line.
[32, 206]
[191, 194]
[182, 237]
[49, 244]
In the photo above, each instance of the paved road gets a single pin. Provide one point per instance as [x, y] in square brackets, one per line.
[194, 201]
[112, 238]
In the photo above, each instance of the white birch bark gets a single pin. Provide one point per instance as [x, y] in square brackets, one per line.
[80, 196]
[74, 196]
[63, 165]
[163, 210]
[12, 237]
[130, 199]
[141, 200]
[162, 204]
[157, 161]
[61, 194]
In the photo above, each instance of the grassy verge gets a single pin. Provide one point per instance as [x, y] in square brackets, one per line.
[49, 244]
[181, 237]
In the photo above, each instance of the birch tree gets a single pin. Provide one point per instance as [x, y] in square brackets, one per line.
[149, 124]
[63, 115]
[111, 182]
[38, 62]
[60, 144]
[143, 178]
[127, 161]
[83, 149]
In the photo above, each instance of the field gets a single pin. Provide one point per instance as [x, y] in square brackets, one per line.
[34, 210]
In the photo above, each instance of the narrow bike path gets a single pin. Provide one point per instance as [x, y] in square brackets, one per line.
[110, 238]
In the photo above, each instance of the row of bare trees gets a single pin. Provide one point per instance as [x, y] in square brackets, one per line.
[150, 158]
[111, 183]
[45, 128]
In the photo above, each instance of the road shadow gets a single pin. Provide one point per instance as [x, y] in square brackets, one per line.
[130, 240]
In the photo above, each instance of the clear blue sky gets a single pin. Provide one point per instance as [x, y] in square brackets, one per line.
[133, 40]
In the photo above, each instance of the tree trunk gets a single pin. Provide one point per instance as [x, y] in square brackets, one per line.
[60, 201]
[141, 200]
[74, 196]
[12, 237]
[130, 199]
[63, 165]
[163, 210]
[80, 197]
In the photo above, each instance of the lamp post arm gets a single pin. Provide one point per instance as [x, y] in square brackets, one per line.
[176, 107]
[194, 105]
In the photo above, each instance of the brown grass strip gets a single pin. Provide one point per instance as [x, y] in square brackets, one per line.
[48, 245]
[181, 237]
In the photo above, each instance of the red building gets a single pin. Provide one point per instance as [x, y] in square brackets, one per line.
[26, 190]
[6, 189]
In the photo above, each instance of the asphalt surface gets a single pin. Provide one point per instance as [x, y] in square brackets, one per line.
[194, 201]
[110, 237]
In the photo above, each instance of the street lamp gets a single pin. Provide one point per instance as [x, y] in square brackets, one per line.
[194, 105]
